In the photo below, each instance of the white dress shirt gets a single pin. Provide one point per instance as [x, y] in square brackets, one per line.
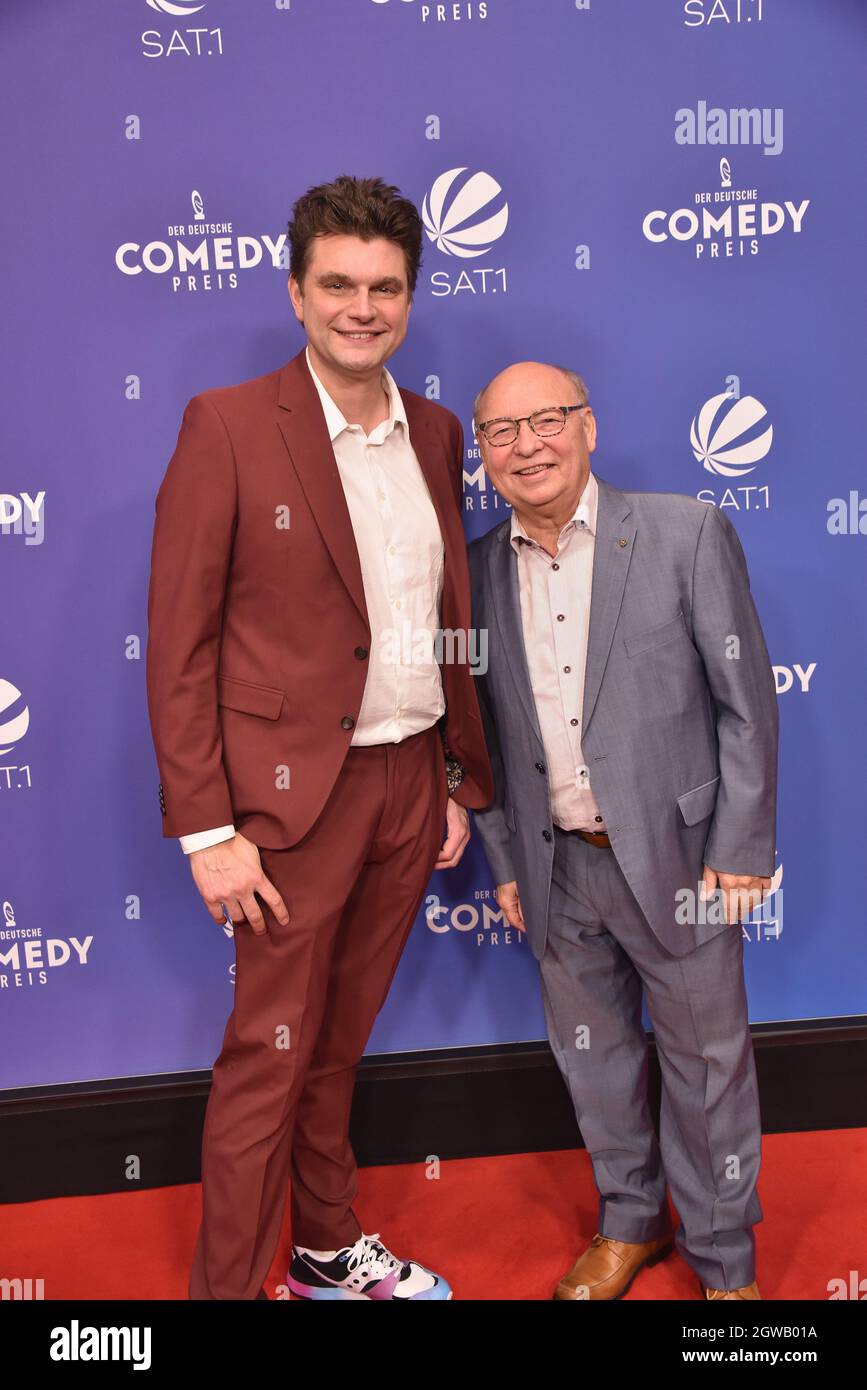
[401, 553]
[555, 616]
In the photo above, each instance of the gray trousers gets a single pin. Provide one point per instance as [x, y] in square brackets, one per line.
[600, 954]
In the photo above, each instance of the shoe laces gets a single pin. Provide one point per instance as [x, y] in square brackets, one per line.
[370, 1252]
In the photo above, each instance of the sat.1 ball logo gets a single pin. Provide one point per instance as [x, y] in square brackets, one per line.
[464, 214]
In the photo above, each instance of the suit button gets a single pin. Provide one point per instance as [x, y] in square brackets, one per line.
[540, 767]
[347, 721]
[361, 653]
[546, 835]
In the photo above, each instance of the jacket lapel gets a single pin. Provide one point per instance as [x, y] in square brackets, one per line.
[615, 537]
[428, 451]
[506, 598]
[302, 425]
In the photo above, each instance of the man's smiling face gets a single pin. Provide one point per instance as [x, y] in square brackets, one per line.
[535, 473]
[354, 303]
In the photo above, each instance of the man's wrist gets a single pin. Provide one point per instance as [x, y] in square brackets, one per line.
[204, 839]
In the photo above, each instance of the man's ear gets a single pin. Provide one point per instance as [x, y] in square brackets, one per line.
[296, 298]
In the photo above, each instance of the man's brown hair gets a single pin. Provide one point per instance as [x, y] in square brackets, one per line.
[365, 208]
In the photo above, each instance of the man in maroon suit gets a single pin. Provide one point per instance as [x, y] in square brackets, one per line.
[311, 749]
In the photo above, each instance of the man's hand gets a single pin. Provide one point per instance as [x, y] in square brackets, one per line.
[742, 893]
[507, 897]
[231, 873]
[457, 837]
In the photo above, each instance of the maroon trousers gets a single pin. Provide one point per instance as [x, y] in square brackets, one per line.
[306, 998]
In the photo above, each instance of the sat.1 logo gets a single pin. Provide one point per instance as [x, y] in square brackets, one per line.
[730, 436]
[464, 215]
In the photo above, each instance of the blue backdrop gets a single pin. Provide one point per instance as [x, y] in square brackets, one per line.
[655, 193]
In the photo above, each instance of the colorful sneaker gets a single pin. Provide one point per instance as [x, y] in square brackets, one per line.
[366, 1269]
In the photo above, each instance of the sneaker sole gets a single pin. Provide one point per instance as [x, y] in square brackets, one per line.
[316, 1293]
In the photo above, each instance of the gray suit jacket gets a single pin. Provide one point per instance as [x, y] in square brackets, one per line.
[679, 734]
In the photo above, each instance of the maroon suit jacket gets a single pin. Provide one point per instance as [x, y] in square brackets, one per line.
[258, 635]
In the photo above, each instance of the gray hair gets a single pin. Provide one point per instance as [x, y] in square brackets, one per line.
[573, 378]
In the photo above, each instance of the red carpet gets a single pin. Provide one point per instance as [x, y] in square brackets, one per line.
[504, 1228]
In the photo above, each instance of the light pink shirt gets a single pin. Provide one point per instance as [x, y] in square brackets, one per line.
[555, 614]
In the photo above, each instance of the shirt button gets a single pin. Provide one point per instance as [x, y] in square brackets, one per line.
[391, 550]
[598, 818]
[555, 566]
[361, 653]
[347, 721]
[546, 835]
[540, 767]
[567, 669]
[560, 617]
[573, 721]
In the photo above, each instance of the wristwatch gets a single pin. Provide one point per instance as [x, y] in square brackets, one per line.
[454, 769]
[454, 773]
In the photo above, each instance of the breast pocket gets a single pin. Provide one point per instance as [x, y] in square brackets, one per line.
[656, 636]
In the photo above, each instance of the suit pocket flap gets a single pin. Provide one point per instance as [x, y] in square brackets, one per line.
[248, 698]
[655, 636]
[699, 802]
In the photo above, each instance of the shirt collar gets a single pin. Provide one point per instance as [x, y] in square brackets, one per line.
[585, 511]
[336, 422]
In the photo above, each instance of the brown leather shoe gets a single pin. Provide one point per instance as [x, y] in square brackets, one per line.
[608, 1267]
[748, 1291]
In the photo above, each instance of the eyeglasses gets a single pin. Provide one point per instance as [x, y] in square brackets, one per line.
[504, 430]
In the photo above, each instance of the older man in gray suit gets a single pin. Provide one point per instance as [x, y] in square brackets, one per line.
[631, 719]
